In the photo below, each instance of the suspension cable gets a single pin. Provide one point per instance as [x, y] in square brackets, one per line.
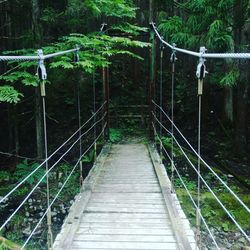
[203, 161]
[62, 187]
[204, 181]
[189, 194]
[63, 144]
[197, 54]
[47, 172]
[36, 58]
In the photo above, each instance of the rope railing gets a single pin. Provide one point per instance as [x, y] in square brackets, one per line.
[202, 160]
[47, 172]
[62, 187]
[200, 54]
[205, 182]
[55, 152]
[185, 186]
[38, 57]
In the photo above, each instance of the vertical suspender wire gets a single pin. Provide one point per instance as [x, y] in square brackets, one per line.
[80, 132]
[79, 110]
[41, 70]
[200, 73]
[50, 235]
[94, 110]
[161, 97]
[172, 59]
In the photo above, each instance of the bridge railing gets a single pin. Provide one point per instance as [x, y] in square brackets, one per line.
[177, 170]
[73, 150]
[163, 125]
[69, 145]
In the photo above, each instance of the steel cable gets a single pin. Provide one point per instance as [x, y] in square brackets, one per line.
[204, 55]
[36, 169]
[204, 181]
[57, 195]
[52, 167]
[188, 192]
[203, 161]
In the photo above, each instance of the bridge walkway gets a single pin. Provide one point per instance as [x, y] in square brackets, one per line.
[123, 206]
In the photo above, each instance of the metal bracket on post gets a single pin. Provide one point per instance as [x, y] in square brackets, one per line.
[173, 57]
[41, 72]
[201, 71]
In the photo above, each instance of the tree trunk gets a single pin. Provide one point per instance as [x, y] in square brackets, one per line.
[152, 65]
[228, 104]
[240, 37]
[36, 29]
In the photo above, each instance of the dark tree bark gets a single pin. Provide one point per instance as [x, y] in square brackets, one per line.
[240, 37]
[36, 29]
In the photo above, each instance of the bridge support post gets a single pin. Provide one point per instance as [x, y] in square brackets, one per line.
[200, 73]
[42, 74]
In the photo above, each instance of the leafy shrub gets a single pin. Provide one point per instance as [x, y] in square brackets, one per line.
[115, 135]
[24, 169]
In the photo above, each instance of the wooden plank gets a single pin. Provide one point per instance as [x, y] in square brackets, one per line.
[125, 210]
[124, 231]
[72, 221]
[126, 238]
[130, 224]
[176, 221]
[125, 205]
[124, 245]
[128, 201]
[120, 216]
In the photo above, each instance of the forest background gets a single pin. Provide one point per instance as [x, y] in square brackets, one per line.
[220, 26]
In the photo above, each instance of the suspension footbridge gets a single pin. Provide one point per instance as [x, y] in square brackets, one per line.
[128, 200]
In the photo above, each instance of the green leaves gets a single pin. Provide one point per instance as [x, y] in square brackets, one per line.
[230, 79]
[129, 28]
[115, 8]
[9, 94]
[25, 77]
[24, 169]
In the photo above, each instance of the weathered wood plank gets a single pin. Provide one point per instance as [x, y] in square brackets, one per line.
[126, 209]
[124, 245]
[125, 231]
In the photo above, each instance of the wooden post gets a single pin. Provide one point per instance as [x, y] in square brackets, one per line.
[152, 68]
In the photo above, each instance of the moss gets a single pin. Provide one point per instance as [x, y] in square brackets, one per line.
[213, 213]
[8, 245]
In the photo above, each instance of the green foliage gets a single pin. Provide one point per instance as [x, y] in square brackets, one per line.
[24, 169]
[115, 8]
[4, 176]
[6, 244]
[230, 79]
[115, 135]
[88, 158]
[9, 94]
[129, 28]
[25, 77]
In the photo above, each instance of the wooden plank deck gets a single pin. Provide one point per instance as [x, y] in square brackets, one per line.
[124, 205]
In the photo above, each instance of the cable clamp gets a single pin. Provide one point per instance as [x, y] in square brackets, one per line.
[173, 57]
[41, 70]
[201, 67]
